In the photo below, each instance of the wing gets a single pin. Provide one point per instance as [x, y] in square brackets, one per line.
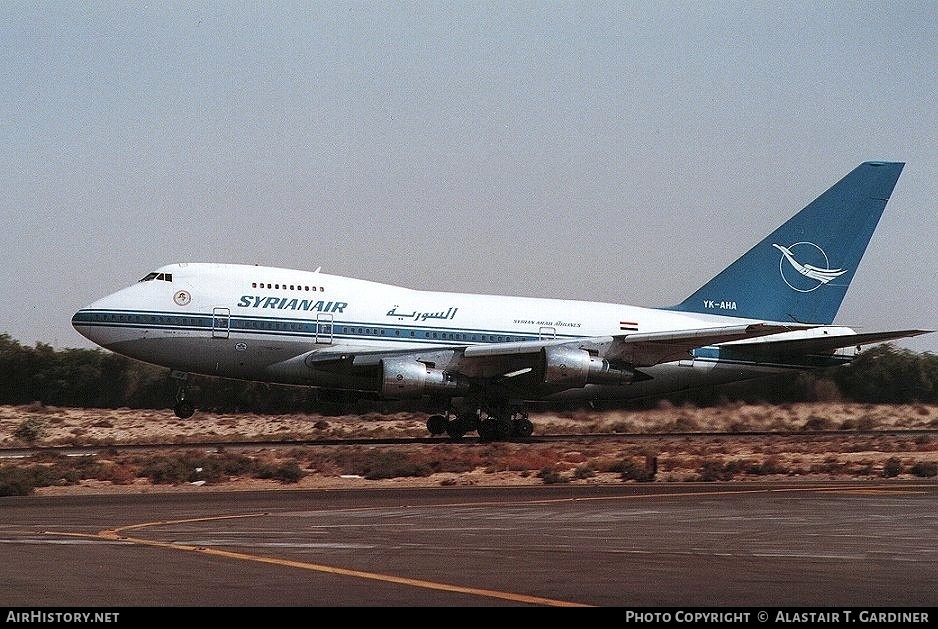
[547, 364]
[638, 349]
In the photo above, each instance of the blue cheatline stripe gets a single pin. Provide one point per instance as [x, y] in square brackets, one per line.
[293, 327]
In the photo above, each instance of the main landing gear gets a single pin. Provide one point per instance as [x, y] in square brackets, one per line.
[184, 409]
[496, 425]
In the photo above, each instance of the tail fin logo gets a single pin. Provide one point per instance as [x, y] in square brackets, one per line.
[809, 274]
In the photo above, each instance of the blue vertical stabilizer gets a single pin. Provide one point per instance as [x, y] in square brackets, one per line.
[801, 271]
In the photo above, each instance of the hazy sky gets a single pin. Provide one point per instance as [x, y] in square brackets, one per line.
[612, 151]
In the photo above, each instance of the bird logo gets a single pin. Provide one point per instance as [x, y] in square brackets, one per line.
[805, 277]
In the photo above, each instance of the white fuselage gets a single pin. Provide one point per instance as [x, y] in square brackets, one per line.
[249, 322]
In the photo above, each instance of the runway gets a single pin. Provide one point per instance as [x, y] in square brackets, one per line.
[768, 545]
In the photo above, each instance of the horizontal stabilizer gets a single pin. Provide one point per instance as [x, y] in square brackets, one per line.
[820, 344]
[653, 348]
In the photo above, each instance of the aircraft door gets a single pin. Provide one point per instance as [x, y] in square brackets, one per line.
[221, 323]
[324, 329]
[547, 332]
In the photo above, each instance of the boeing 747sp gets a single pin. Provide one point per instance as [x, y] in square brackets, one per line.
[483, 357]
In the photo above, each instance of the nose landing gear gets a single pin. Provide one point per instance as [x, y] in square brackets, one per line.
[184, 409]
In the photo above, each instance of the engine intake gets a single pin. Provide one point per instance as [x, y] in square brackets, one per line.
[404, 378]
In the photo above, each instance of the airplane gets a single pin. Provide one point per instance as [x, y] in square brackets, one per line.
[483, 360]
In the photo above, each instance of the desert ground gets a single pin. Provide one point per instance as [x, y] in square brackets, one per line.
[793, 441]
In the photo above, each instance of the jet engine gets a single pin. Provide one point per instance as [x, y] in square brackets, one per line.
[403, 378]
[577, 367]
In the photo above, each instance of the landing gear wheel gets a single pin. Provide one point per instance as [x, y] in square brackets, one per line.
[436, 424]
[184, 409]
[455, 430]
[487, 429]
[523, 428]
[502, 429]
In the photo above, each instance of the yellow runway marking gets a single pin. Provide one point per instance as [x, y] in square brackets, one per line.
[874, 492]
[115, 535]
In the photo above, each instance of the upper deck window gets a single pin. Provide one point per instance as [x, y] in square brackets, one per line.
[294, 287]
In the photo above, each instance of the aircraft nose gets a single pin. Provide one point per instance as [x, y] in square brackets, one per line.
[95, 321]
[82, 322]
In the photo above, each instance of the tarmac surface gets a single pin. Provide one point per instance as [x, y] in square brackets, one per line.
[729, 545]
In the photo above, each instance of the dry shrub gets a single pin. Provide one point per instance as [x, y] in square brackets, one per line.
[376, 464]
[502, 457]
[552, 476]
[892, 467]
[573, 456]
[621, 426]
[925, 469]
[30, 430]
[830, 465]
[323, 462]
[866, 423]
[285, 472]
[630, 469]
[684, 423]
[117, 473]
[38, 408]
[714, 471]
[815, 422]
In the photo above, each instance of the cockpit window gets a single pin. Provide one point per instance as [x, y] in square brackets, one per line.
[166, 277]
